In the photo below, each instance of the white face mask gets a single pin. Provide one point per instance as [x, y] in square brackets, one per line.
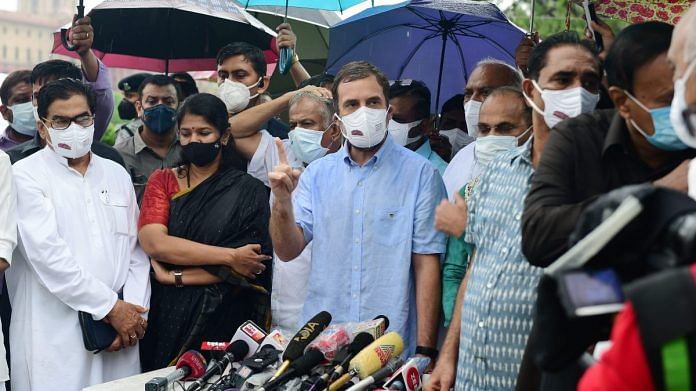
[365, 127]
[563, 104]
[73, 142]
[23, 118]
[400, 132]
[306, 144]
[488, 147]
[236, 95]
[679, 105]
[471, 113]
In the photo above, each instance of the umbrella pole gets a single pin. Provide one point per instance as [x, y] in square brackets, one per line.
[439, 78]
[531, 18]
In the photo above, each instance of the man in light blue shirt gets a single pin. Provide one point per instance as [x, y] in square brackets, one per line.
[369, 210]
[410, 123]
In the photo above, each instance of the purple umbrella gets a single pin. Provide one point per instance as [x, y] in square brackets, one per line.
[436, 41]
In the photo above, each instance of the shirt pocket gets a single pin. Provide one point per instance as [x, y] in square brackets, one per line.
[117, 210]
[390, 226]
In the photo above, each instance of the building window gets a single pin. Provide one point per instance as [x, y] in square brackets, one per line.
[29, 56]
[28, 33]
[17, 54]
[40, 58]
[4, 51]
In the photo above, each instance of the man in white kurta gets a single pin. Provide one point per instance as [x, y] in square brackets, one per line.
[8, 239]
[77, 251]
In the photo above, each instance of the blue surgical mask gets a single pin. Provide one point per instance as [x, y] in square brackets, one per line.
[23, 121]
[664, 138]
[306, 144]
[159, 119]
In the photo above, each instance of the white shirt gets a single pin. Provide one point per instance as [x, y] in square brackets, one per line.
[8, 235]
[289, 278]
[460, 170]
[266, 158]
[77, 249]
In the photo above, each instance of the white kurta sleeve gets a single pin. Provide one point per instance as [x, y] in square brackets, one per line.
[49, 256]
[8, 223]
[137, 287]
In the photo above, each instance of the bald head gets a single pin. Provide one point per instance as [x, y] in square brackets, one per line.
[682, 51]
[487, 76]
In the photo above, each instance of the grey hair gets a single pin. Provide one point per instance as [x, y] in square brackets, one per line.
[515, 75]
[327, 107]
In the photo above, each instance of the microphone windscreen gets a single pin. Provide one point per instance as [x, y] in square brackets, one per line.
[238, 349]
[307, 334]
[386, 320]
[377, 354]
[193, 360]
[360, 342]
[304, 364]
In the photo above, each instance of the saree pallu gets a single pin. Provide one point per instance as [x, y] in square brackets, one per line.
[229, 209]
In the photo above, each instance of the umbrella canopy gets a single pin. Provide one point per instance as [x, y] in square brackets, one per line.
[317, 17]
[639, 11]
[171, 35]
[436, 41]
[329, 5]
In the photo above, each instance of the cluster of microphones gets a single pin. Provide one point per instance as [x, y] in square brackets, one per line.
[320, 357]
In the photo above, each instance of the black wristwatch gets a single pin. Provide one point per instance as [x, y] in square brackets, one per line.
[428, 352]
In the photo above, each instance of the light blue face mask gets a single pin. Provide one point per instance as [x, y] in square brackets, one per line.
[306, 144]
[664, 138]
[23, 119]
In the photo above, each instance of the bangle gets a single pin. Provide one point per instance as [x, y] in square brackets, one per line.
[428, 352]
[178, 280]
[295, 58]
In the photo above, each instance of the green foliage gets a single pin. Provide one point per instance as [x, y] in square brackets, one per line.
[550, 16]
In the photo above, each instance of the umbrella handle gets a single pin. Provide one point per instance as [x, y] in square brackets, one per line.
[285, 60]
[64, 32]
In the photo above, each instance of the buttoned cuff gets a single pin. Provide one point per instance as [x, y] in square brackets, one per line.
[6, 251]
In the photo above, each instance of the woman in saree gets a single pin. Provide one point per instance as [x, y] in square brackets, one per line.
[205, 226]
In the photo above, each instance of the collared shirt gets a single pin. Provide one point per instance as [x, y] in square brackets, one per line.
[78, 249]
[584, 157]
[461, 169]
[141, 160]
[497, 308]
[366, 222]
[427, 152]
[6, 142]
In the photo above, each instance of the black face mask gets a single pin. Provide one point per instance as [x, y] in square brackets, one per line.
[126, 110]
[201, 154]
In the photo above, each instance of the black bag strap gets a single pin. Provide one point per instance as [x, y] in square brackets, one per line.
[665, 308]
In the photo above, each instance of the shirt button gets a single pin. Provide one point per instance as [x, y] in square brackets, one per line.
[360, 183]
[355, 268]
[518, 216]
[505, 251]
[357, 240]
[357, 211]
[355, 296]
[481, 324]
[489, 285]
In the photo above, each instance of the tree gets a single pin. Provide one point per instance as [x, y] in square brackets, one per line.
[550, 16]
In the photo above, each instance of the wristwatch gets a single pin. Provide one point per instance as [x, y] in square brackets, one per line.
[178, 281]
[428, 352]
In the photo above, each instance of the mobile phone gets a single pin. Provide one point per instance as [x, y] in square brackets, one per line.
[591, 15]
[590, 292]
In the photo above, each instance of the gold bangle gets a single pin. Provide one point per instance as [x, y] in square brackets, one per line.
[295, 58]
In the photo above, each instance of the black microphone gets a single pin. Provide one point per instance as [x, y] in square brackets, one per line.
[359, 343]
[300, 367]
[299, 342]
[236, 351]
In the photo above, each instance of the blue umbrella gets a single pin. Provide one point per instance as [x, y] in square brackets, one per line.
[436, 41]
[286, 54]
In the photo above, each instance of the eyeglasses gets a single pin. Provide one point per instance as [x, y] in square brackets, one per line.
[62, 123]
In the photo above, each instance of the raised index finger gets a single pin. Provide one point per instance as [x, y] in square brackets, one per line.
[281, 151]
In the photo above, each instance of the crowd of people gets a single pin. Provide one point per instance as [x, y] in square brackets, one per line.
[210, 210]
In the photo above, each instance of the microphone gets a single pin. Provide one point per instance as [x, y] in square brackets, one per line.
[191, 365]
[250, 333]
[391, 367]
[408, 377]
[299, 342]
[259, 361]
[235, 352]
[372, 358]
[360, 342]
[300, 367]
[375, 326]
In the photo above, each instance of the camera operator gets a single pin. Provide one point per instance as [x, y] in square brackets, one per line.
[631, 364]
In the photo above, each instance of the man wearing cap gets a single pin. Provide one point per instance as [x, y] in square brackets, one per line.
[126, 109]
